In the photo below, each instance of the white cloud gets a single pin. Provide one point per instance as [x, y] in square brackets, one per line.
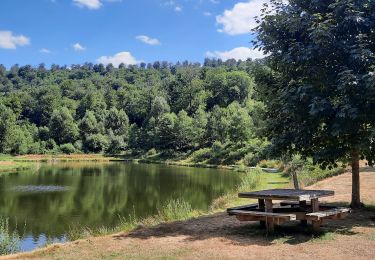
[240, 53]
[44, 50]
[90, 4]
[215, 1]
[207, 14]
[78, 47]
[172, 3]
[240, 19]
[148, 40]
[121, 57]
[10, 41]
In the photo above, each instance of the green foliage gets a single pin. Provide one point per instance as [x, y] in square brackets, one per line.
[7, 124]
[308, 173]
[318, 80]
[96, 143]
[67, 148]
[201, 155]
[251, 159]
[174, 108]
[9, 241]
[62, 127]
[116, 144]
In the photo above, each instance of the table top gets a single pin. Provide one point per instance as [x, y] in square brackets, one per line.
[287, 194]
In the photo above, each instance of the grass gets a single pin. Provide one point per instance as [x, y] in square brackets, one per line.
[171, 211]
[9, 241]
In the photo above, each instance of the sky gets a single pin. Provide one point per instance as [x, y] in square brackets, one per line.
[69, 32]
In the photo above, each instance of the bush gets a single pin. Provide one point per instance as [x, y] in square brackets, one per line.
[271, 164]
[152, 152]
[9, 241]
[96, 143]
[67, 148]
[251, 159]
[309, 173]
[116, 144]
[201, 155]
[78, 145]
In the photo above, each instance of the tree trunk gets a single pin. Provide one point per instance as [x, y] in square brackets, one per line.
[295, 180]
[356, 195]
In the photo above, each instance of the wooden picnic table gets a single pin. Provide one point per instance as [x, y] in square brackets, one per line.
[300, 205]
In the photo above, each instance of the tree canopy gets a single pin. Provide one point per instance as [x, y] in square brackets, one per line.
[173, 108]
[318, 85]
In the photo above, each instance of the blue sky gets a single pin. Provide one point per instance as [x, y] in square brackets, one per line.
[129, 31]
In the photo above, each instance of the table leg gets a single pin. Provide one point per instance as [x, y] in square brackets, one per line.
[261, 205]
[315, 207]
[303, 205]
[269, 220]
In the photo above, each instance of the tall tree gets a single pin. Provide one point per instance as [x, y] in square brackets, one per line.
[62, 126]
[319, 90]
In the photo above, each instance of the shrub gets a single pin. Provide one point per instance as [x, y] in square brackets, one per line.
[201, 155]
[251, 159]
[276, 164]
[96, 143]
[151, 152]
[309, 173]
[67, 148]
[116, 144]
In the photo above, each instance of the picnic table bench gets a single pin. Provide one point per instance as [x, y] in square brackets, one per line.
[300, 205]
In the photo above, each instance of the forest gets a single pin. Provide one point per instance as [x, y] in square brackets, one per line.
[208, 110]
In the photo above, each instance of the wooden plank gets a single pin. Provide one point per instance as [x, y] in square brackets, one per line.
[329, 214]
[308, 203]
[243, 207]
[287, 194]
[264, 214]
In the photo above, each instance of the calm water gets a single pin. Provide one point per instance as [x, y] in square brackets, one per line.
[45, 203]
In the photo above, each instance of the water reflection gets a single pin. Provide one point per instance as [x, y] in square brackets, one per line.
[46, 203]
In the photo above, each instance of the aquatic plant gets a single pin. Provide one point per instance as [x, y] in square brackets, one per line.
[10, 242]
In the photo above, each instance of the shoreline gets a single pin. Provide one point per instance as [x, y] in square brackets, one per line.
[9, 163]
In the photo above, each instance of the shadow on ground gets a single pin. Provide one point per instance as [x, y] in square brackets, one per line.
[246, 233]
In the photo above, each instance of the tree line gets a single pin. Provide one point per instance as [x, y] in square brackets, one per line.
[92, 108]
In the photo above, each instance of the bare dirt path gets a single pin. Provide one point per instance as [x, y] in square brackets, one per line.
[222, 237]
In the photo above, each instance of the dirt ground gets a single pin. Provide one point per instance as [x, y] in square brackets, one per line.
[222, 237]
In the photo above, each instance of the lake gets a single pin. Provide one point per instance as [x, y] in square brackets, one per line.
[45, 203]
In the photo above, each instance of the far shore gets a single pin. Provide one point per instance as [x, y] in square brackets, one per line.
[9, 163]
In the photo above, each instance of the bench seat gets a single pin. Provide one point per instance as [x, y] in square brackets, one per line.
[334, 213]
[246, 215]
[243, 207]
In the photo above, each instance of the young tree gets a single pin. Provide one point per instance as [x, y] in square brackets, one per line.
[62, 127]
[7, 126]
[319, 90]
